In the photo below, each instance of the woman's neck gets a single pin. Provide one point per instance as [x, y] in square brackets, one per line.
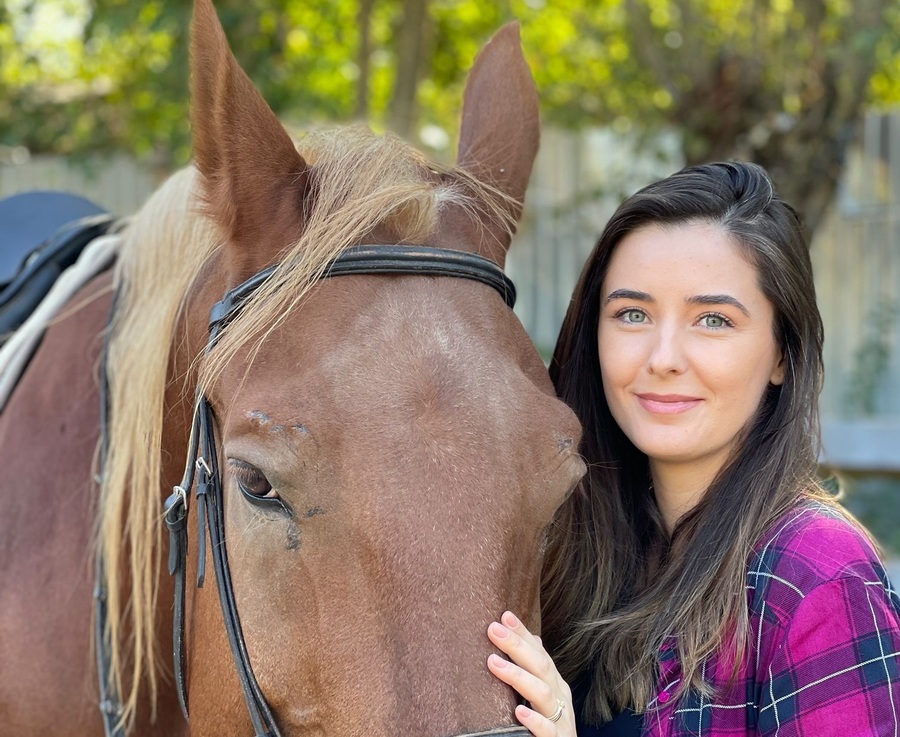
[679, 487]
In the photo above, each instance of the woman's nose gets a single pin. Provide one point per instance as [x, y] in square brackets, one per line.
[668, 352]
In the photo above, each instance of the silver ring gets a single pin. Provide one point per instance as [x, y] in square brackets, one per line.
[560, 705]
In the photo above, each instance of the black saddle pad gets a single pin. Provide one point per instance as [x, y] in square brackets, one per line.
[41, 235]
[29, 219]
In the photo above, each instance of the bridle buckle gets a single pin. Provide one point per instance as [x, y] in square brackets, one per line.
[202, 465]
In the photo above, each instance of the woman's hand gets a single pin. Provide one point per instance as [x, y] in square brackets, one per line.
[533, 674]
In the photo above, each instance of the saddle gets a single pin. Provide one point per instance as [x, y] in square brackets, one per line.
[41, 235]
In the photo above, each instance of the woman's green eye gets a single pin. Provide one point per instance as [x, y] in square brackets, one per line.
[635, 316]
[715, 321]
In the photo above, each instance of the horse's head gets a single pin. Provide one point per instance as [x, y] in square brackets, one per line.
[391, 447]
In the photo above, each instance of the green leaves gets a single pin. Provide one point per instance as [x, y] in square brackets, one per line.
[80, 75]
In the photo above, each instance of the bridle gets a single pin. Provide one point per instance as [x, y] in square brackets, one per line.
[202, 467]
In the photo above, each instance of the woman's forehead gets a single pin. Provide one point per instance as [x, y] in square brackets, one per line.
[686, 256]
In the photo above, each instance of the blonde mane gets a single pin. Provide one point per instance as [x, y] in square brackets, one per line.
[360, 181]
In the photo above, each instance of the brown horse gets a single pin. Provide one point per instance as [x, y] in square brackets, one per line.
[405, 425]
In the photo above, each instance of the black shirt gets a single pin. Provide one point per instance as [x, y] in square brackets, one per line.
[624, 724]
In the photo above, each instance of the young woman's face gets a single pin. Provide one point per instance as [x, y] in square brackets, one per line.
[687, 344]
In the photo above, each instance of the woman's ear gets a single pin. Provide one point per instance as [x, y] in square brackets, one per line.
[777, 377]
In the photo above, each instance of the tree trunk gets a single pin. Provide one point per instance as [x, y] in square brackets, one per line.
[410, 56]
[363, 56]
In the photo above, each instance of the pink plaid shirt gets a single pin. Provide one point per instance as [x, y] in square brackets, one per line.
[825, 653]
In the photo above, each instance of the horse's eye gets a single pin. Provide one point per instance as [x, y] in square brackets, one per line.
[251, 480]
[254, 485]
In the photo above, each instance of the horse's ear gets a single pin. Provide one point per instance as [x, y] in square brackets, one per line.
[254, 180]
[500, 130]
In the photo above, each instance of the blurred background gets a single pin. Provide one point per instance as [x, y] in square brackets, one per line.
[93, 99]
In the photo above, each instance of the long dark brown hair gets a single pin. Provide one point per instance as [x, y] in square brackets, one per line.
[616, 584]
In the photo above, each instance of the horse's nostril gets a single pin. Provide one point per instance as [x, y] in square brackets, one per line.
[564, 444]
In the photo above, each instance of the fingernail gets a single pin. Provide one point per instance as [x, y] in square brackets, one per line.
[510, 619]
[523, 713]
[497, 661]
[498, 630]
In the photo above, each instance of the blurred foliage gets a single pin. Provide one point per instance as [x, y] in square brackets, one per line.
[875, 501]
[754, 79]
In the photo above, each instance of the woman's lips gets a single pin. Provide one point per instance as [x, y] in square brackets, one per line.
[667, 404]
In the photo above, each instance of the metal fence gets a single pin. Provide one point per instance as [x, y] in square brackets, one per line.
[117, 183]
[857, 262]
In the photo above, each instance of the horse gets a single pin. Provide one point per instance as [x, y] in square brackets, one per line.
[391, 450]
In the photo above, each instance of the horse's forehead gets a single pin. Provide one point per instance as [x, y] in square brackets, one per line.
[401, 383]
[397, 323]
[359, 345]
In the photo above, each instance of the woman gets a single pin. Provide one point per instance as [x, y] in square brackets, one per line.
[699, 580]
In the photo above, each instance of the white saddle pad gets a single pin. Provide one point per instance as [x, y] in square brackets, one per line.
[14, 354]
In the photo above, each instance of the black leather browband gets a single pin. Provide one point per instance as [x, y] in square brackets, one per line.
[386, 260]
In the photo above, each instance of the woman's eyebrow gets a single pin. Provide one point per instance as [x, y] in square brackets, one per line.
[628, 294]
[717, 299]
[699, 299]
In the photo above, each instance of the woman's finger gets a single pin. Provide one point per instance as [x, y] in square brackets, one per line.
[530, 671]
[531, 688]
[514, 624]
[528, 654]
[541, 726]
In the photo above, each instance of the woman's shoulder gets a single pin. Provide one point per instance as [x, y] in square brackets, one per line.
[812, 545]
